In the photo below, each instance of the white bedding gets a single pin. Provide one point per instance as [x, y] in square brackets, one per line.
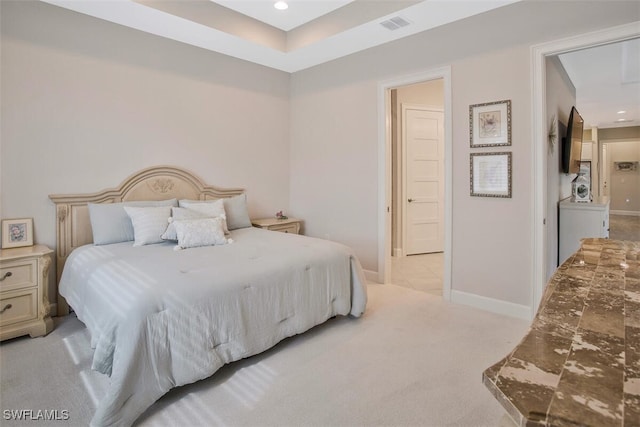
[160, 318]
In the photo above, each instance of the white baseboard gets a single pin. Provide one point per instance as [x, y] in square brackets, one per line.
[490, 304]
[371, 276]
[627, 213]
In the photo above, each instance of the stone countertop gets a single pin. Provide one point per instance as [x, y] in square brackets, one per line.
[579, 363]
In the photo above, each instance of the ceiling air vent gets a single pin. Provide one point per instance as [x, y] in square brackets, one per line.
[395, 23]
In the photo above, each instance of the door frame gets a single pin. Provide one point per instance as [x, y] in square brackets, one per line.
[539, 53]
[384, 171]
[402, 164]
[605, 146]
[605, 173]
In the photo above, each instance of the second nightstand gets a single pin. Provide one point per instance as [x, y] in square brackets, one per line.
[289, 225]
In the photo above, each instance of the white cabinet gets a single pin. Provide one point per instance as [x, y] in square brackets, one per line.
[579, 221]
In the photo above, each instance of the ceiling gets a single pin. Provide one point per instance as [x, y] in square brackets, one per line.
[311, 32]
[308, 33]
[299, 12]
[607, 81]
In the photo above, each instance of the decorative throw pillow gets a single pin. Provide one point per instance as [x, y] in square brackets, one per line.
[110, 222]
[149, 223]
[193, 233]
[209, 209]
[237, 213]
[176, 215]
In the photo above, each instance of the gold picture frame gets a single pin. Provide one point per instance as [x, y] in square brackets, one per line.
[17, 232]
[491, 174]
[490, 124]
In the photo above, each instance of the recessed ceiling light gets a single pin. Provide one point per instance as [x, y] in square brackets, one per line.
[281, 5]
[621, 112]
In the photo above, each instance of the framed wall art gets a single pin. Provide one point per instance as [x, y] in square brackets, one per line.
[491, 174]
[17, 232]
[490, 124]
[625, 166]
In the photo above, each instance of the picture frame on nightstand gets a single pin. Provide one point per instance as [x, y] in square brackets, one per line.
[17, 232]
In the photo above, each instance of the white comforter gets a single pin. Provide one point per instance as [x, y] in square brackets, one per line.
[161, 318]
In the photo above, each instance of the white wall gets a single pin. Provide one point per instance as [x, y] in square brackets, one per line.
[85, 103]
[489, 238]
[561, 96]
[334, 140]
[334, 164]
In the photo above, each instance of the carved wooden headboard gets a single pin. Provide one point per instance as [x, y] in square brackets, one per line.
[73, 227]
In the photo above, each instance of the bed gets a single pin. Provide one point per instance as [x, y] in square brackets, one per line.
[169, 313]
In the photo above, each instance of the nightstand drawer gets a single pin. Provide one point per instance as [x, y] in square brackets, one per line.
[18, 275]
[18, 307]
[285, 228]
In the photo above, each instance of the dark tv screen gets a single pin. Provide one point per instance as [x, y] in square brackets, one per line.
[572, 143]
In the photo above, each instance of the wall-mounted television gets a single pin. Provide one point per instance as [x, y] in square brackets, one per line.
[572, 143]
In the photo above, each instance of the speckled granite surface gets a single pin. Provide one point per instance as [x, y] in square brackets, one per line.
[579, 364]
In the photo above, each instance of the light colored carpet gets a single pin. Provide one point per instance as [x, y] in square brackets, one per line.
[412, 360]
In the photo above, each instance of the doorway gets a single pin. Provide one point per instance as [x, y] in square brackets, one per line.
[421, 171]
[620, 174]
[420, 96]
[539, 55]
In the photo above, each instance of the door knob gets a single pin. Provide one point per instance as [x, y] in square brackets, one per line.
[410, 200]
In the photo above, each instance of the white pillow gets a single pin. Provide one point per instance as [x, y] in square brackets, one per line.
[111, 224]
[149, 223]
[237, 214]
[209, 208]
[193, 233]
[176, 215]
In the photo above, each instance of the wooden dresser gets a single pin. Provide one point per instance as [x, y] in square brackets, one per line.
[24, 299]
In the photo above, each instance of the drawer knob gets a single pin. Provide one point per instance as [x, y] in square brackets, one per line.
[7, 274]
[6, 307]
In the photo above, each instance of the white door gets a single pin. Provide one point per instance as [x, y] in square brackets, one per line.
[423, 147]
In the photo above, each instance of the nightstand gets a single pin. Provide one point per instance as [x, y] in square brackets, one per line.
[289, 225]
[24, 299]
